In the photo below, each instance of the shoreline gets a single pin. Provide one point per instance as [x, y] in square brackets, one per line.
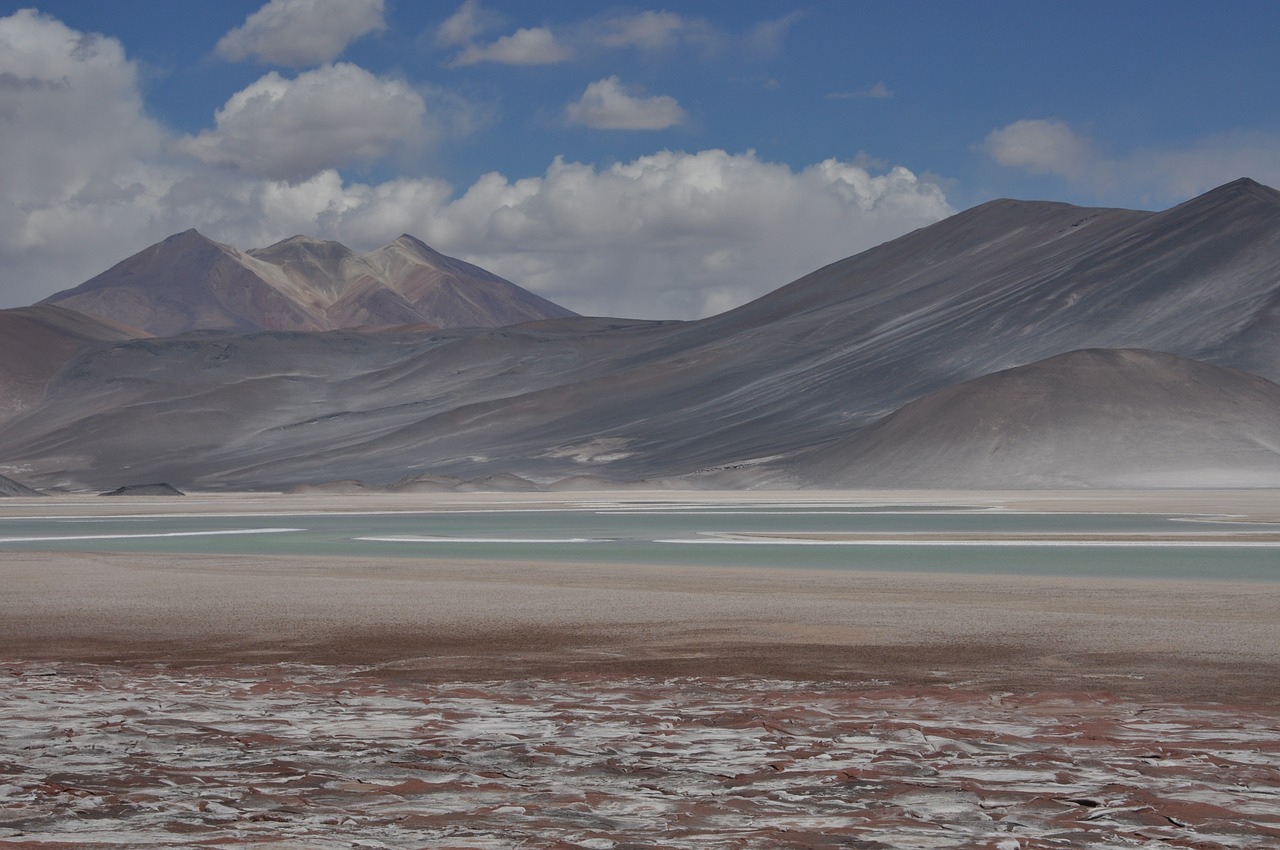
[473, 620]
[1254, 505]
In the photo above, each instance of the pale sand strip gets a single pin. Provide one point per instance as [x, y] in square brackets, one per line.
[1240, 537]
[452, 620]
[1254, 505]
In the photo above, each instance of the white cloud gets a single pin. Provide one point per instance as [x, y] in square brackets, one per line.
[672, 235]
[1040, 147]
[767, 36]
[606, 105]
[649, 30]
[298, 33]
[80, 159]
[534, 46]
[466, 24]
[879, 91]
[1158, 175]
[290, 129]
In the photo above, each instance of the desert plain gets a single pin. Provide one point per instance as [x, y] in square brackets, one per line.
[317, 701]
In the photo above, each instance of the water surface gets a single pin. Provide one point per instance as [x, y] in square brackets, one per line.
[689, 535]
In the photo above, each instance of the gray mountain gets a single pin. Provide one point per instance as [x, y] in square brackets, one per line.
[733, 398]
[1093, 418]
[189, 282]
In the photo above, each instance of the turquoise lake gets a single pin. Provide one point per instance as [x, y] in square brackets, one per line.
[621, 533]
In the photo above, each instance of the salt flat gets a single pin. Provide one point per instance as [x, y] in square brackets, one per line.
[327, 757]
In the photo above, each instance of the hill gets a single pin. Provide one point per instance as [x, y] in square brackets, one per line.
[1100, 418]
[9, 487]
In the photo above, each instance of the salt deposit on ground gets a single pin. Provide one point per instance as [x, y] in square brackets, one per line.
[326, 757]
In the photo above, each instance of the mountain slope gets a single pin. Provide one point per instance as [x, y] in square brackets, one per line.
[189, 282]
[1092, 418]
[1005, 284]
[35, 342]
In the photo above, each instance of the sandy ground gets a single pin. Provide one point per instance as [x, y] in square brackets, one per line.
[451, 620]
[1251, 504]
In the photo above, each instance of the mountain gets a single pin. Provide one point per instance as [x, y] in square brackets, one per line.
[35, 342]
[1101, 418]
[189, 282]
[739, 399]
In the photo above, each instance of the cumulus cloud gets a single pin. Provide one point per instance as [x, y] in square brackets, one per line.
[606, 105]
[298, 33]
[81, 160]
[672, 235]
[290, 129]
[534, 46]
[1159, 175]
[466, 24]
[1040, 147]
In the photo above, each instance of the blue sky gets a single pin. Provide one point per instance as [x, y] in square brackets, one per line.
[663, 161]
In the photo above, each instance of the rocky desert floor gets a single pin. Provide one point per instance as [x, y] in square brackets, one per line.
[228, 700]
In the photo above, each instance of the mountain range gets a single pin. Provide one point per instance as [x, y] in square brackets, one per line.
[1016, 344]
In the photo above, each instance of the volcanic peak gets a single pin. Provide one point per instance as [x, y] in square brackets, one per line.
[189, 282]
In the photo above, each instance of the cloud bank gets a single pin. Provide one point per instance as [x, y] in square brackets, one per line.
[90, 178]
[299, 33]
[1161, 175]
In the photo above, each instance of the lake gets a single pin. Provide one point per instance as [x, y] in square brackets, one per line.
[702, 534]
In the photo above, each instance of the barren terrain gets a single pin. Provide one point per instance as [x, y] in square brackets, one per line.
[165, 700]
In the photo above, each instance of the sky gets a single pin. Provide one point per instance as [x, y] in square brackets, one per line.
[664, 161]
